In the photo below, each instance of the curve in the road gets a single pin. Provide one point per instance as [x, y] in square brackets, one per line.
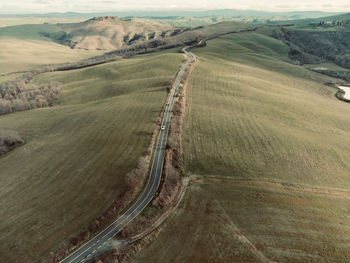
[100, 241]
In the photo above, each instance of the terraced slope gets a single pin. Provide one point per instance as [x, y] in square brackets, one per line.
[77, 153]
[278, 141]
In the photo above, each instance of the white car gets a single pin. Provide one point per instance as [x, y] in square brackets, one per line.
[162, 128]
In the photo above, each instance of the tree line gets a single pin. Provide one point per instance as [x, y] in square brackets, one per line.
[20, 95]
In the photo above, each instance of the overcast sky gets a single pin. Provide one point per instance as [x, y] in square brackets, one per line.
[44, 6]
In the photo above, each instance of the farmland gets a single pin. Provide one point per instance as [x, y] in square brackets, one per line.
[250, 115]
[265, 141]
[268, 144]
[236, 220]
[76, 154]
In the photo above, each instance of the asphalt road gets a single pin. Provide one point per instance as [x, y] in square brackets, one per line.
[102, 241]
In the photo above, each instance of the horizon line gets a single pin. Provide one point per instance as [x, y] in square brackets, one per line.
[177, 9]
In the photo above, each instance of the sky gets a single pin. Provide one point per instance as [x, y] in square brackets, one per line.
[88, 6]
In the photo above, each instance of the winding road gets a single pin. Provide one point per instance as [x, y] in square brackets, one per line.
[102, 241]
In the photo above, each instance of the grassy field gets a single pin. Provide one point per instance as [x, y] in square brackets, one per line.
[37, 52]
[9, 77]
[254, 221]
[77, 153]
[251, 114]
[282, 141]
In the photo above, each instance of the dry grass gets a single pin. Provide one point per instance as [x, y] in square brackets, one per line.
[14, 57]
[109, 35]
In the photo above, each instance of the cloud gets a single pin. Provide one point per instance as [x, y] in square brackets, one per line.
[44, 1]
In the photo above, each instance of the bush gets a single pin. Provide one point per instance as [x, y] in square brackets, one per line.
[170, 185]
[9, 140]
[19, 96]
[138, 174]
[177, 108]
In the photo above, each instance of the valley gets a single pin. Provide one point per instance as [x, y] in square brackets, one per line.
[262, 155]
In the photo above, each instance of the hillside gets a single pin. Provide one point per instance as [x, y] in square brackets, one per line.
[265, 145]
[316, 41]
[268, 144]
[77, 154]
[59, 43]
[38, 51]
[109, 33]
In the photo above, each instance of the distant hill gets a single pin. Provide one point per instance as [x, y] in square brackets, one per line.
[193, 13]
[314, 41]
[310, 20]
[110, 32]
[98, 33]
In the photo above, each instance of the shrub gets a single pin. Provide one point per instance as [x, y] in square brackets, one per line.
[170, 185]
[9, 140]
[19, 96]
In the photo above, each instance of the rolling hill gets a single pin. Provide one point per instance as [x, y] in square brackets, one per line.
[76, 155]
[267, 146]
[108, 33]
[38, 51]
[266, 143]
[70, 42]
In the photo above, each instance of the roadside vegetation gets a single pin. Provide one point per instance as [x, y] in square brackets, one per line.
[78, 154]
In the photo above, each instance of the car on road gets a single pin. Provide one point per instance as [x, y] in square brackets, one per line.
[162, 128]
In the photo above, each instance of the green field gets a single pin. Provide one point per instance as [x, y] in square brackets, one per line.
[77, 153]
[282, 140]
[254, 115]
